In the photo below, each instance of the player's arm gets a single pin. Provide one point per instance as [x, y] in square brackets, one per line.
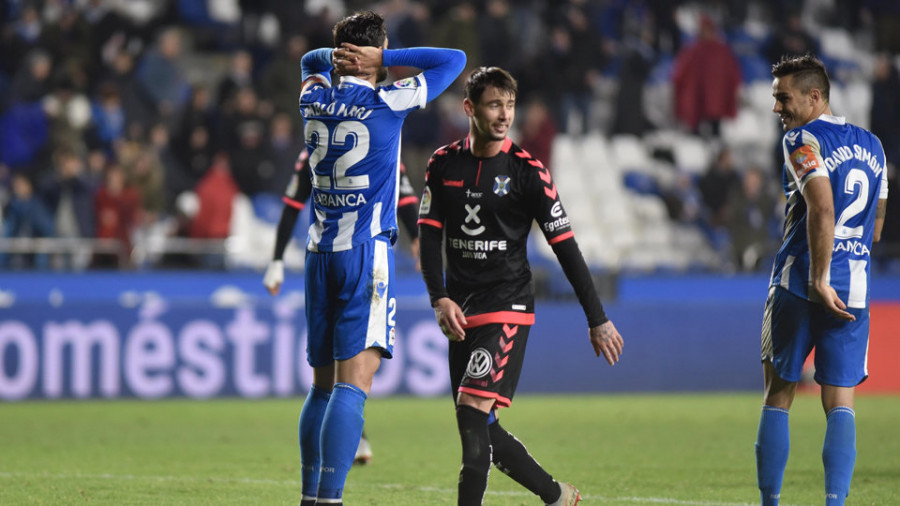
[297, 193]
[548, 209]
[881, 209]
[880, 213]
[440, 66]
[315, 68]
[448, 314]
[408, 211]
[820, 235]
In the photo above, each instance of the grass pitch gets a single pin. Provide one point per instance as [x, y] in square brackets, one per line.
[620, 449]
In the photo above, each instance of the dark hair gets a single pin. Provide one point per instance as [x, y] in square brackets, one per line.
[361, 29]
[482, 77]
[808, 73]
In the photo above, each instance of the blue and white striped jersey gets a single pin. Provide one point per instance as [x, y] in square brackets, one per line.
[353, 137]
[853, 159]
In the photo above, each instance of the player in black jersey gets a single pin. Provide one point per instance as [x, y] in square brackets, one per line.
[482, 194]
[295, 196]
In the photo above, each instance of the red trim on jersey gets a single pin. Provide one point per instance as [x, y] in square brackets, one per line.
[433, 223]
[500, 401]
[524, 154]
[561, 237]
[510, 317]
[453, 183]
[293, 203]
[507, 143]
[478, 175]
[405, 201]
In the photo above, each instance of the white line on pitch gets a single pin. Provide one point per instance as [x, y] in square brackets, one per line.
[296, 483]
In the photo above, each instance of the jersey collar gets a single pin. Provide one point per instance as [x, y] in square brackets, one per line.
[507, 143]
[357, 81]
[837, 120]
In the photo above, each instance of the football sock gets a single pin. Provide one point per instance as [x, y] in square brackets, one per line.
[341, 430]
[512, 458]
[839, 454]
[476, 454]
[310, 427]
[773, 445]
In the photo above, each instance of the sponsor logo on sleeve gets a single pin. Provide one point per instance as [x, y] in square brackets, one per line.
[425, 206]
[409, 82]
[804, 161]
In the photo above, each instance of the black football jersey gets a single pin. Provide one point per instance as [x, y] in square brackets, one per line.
[486, 207]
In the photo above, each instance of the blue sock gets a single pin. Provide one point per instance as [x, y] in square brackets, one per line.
[310, 427]
[341, 431]
[773, 444]
[839, 454]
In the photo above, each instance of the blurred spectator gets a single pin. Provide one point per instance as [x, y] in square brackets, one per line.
[108, 116]
[67, 36]
[789, 39]
[32, 81]
[458, 29]
[161, 74]
[706, 78]
[683, 201]
[495, 34]
[885, 110]
[538, 131]
[244, 137]
[162, 150]
[572, 58]
[145, 173]
[25, 215]
[69, 193]
[281, 79]
[215, 193]
[283, 147]
[117, 208]
[717, 184]
[638, 60]
[69, 115]
[239, 75]
[751, 211]
[135, 102]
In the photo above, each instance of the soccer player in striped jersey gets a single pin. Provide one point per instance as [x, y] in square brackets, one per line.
[482, 195]
[835, 183]
[352, 133]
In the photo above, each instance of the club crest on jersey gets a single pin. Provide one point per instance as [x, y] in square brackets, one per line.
[479, 363]
[501, 185]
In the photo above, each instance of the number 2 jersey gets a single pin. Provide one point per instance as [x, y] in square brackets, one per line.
[853, 160]
[486, 207]
[353, 137]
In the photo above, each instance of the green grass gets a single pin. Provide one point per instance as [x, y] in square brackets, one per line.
[620, 449]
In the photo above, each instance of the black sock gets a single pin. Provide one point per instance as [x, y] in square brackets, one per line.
[512, 458]
[308, 502]
[476, 454]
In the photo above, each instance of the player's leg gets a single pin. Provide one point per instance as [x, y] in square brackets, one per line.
[512, 458]
[363, 335]
[785, 344]
[840, 366]
[472, 422]
[310, 427]
[319, 318]
[343, 422]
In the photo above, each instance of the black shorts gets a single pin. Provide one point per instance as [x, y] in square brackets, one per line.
[489, 362]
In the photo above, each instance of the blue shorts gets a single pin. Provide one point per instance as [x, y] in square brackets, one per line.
[350, 303]
[793, 326]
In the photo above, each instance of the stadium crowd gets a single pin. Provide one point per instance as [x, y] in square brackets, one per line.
[129, 121]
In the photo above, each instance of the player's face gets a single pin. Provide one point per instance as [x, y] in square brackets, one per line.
[793, 106]
[491, 118]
